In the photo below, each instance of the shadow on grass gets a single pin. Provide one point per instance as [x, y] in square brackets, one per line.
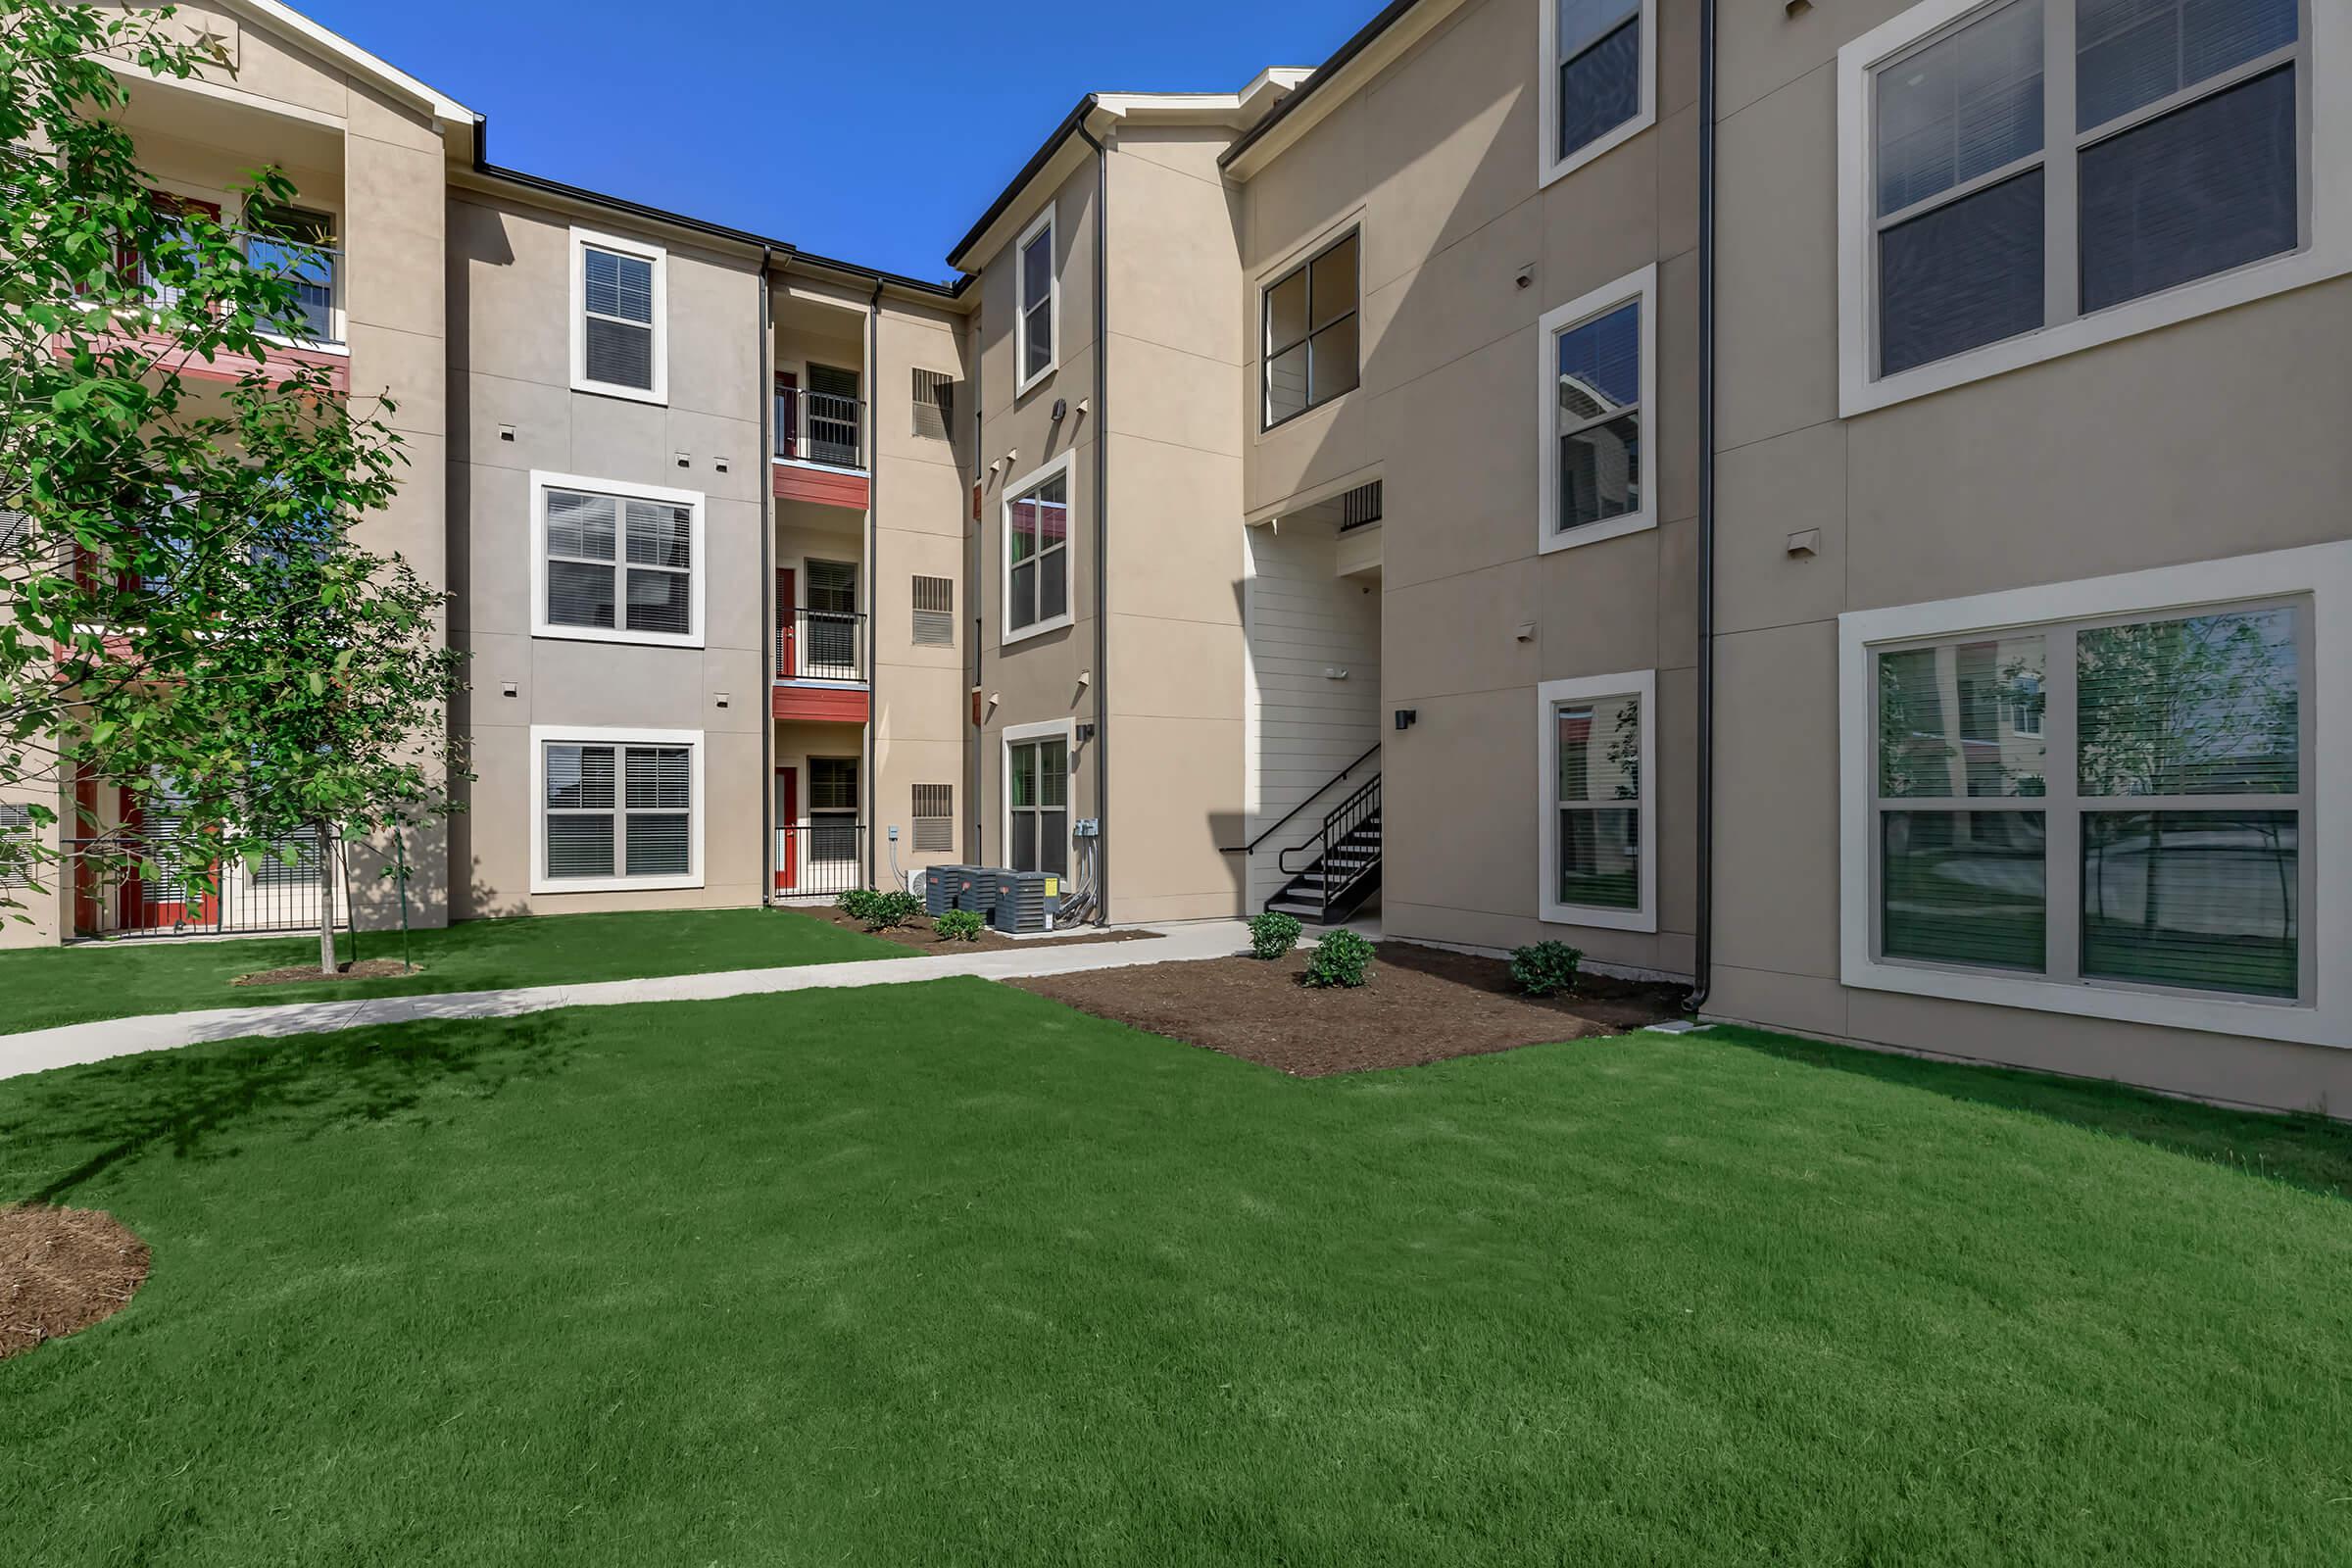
[2305, 1151]
[61, 1135]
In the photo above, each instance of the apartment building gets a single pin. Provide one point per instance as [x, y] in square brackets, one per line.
[1903, 600]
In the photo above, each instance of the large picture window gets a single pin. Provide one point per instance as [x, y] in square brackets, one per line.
[1312, 337]
[615, 811]
[1596, 375]
[2022, 174]
[619, 342]
[2057, 799]
[617, 563]
[1599, 63]
[1598, 837]
[1037, 553]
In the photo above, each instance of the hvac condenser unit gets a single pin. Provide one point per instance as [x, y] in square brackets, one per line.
[975, 889]
[940, 884]
[1026, 901]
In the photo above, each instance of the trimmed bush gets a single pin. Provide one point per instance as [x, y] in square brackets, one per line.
[958, 925]
[1546, 969]
[1273, 934]
[891, 910]
[858, 904]
[1342, 959]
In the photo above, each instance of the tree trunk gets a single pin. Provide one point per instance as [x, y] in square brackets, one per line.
[326, 902]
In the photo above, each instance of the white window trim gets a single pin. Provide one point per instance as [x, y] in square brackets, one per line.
[1066, 465]
[2323, 572]
[697, 579]
[1641, 684]
[1642, 286]
[2327, 255]
[1043, 224]
[1013, 735]
[581, 239]
[1548, 165]
[545, 735]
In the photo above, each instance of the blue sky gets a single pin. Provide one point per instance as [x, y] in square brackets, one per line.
[875, 130]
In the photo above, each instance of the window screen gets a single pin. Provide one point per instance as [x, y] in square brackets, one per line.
[619, 563]
[1311, 327]
[618, 296]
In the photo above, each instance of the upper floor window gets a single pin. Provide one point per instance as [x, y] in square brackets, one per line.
[619, 338]
[1039, 300]
[1597, 373]
[1036, 551]
[1312, 337]
[616, 563]
[2033, 176]
[299, 246]
[1599, 65]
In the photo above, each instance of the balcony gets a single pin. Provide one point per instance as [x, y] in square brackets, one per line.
[313, 335]
[820, 447]
[821, 857]
[820, 668]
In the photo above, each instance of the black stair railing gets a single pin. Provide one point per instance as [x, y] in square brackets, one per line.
[1332, 846]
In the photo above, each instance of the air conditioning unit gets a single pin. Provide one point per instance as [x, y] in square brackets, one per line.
[1026, 901]
[975, 889]
[939, 888]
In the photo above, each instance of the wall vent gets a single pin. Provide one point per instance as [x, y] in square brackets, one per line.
[1359, 507]
[934, 612]
[934, 818]
[934, 405]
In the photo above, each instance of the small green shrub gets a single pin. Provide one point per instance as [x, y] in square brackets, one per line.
[858, 904]
[1342, 959]
[891, 910]
[1273, 934]
[958, 925]
[1546, 969]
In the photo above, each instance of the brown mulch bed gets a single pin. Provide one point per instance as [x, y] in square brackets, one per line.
[1420, 1005]
[300, 973]
[922, 938]
[62, 1270]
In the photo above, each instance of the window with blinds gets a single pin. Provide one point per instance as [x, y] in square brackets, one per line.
[18, 831]
[2114, 802]
[2045, 160]
[1597, 66]
[934, 612]
[618, 810]
[834, 801]
[1597, 792]
[617, 563]
[934, 405]
[934, 818]
[618, 324]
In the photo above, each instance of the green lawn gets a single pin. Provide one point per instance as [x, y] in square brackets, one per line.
[949, 1274]
[50, 986]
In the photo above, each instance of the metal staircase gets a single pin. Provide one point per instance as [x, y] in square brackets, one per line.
[1344, 869]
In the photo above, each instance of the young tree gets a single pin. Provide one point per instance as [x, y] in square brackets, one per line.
[129, 488]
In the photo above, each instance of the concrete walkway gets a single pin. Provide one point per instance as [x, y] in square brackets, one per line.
[39, 1049]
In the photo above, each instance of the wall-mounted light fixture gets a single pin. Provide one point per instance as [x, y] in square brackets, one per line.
[1408, 717]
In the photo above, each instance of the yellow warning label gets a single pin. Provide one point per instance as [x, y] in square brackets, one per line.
[1053, 887]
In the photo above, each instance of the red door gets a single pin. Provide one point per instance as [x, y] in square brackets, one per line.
[788, 837]
[788, 656]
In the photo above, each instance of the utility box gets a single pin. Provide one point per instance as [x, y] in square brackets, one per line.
[1026, 901]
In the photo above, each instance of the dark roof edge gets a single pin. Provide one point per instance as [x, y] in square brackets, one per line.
[1029, 172]
[1323, 73]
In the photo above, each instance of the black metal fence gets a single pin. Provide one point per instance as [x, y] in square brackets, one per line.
[820, 427]
[126, 885]
[821, 645]
[821, 857]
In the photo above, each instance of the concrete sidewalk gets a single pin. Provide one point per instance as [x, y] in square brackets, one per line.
[42, 1048]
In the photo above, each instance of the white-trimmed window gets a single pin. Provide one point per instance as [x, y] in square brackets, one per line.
[616, 809]
[619, 317]
[615, 562]
[1040, 307]
[1599, 862]
[2151, 842]
[1036, 551]
[834, 806]
[1311, 349]
[1037, 794]
[1599, 80]
[1597, 373]
[19, 837]
[2023, 178]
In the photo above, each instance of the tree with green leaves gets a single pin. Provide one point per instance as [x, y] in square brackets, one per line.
[140, 477]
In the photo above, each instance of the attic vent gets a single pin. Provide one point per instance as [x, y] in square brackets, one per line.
[934, 403]
[934, 818]
[935, 611]
[1359, 507]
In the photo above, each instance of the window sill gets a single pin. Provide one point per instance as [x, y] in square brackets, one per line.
[1039, 630]
[616, 884]
[658, 396]
[1550, 169]
[1601, 920]
[542, 633]
[1554, 540]
[1033, 382]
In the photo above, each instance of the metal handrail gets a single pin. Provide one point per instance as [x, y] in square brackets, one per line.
[1342, 819]
[1323, 835]
[1312, 796]
[813, 646]
[824, 427]
[797, 845]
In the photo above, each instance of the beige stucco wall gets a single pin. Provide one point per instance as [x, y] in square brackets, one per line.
[510, 365]
[1436, 160]
[2214, 438]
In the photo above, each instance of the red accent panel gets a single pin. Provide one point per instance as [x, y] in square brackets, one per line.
[827, 705]
[820, 485]
[788, 875]
[223, 366]
[788, 656]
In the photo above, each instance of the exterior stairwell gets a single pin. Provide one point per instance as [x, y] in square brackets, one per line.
[1342, 862]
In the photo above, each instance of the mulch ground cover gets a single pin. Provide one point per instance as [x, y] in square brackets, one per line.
[1420, 1005]
[308, 973]
[924, 939]
[63, 1270]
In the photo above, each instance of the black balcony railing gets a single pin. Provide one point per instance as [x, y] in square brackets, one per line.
[821, 645]
[127, 885]
[821, 856]
[820, 427]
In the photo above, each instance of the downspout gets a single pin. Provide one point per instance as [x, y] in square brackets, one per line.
[874, 544]
[975, 556]
[1101, 528]
[765, 469]
[1703, 954]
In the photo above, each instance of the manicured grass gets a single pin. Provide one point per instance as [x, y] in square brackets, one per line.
[949, 1274]
[46, 987]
